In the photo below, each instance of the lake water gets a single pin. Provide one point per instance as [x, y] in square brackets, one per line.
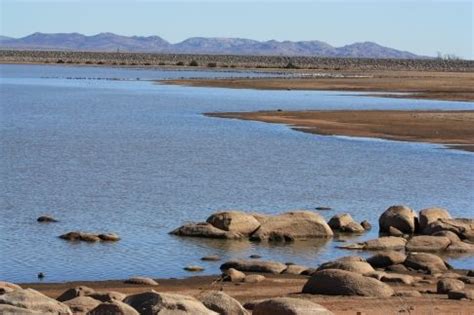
[140, 159]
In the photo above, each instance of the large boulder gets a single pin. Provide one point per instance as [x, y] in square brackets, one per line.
[430, 215]
[289, 306]
[166, 303]
[462, 227]
[72, 293]
[361, 267]
[222, 303]
[234, 221]
[426, 262]
[381, 243]
[292, 226]
[33, 300]
[204, 229]
[255, 266]
[402, 218]
[443, 286]
[115, 308]
[342, 282]
[8, 287]
[386, 258]
[427, 243]
[82, 304]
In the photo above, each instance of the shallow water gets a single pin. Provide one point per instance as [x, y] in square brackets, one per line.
[140, 159]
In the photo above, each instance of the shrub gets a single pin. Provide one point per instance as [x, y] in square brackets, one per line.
[60, 61]
[212, 64]
[290, 65]
[161, 63]
[180, 63]
[193, 63]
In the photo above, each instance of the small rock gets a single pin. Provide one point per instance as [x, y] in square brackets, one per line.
[211, 258]
[141, 280]
[109, 237]
[255, 256]
[233, 275]
[194, 268]
[366, 225]
[46, 219]
[72, 293]
[445, 285]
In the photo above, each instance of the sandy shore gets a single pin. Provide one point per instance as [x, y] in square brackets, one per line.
[454, 86]
[452, 128]
[286, 285]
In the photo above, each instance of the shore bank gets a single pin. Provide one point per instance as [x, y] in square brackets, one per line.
[451, 128]
[283, 285]
[453, 86]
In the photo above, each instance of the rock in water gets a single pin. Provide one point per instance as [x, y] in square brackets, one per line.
[341, 282]
[291, 226]
[46, 219]
[431, 215]
[234, 221]
[204, 229]
[402, 218]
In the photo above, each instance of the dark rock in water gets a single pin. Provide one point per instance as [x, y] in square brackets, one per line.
[211, 258]
[323, 208]
[46, 219]
[204, 229]
[366, 225]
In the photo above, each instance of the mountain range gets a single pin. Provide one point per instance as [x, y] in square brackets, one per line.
[109, 42]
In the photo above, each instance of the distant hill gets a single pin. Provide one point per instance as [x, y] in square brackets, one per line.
[107, 42]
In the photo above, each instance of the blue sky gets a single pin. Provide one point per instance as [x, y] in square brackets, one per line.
[423, 27]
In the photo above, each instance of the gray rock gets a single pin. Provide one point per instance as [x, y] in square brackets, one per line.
[234, 221]
[46, 219]
[211, 258]
[366, 225]
[109, 237]
[381, 243]
[430, 215]
[400, 217]
[387, 258]
[341, 282]
[289, 306]
[360, 267]
[206, 230]
[427, 262]
[82, 304]
[233, 275]
[194, 268]
[443, 286]
[427, 243]
[222, 303]
[255, 266]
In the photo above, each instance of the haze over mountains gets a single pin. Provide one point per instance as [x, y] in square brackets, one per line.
[109, 42]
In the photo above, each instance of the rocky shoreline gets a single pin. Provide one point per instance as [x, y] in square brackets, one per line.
[232, 61]
[405, 266]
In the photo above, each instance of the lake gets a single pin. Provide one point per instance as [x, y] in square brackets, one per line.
[105, 149]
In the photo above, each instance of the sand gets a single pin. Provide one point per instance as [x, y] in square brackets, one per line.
[454, 129]
[455, 86]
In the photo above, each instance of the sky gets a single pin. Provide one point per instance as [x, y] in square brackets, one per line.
[423, 27]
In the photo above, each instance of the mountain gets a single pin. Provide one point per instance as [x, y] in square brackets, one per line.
[198, 45]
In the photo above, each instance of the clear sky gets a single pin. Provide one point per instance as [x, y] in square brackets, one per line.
[423, 27]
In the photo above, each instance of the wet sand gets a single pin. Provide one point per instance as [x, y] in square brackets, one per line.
[454, 129]
[454, 86]
[287, 285]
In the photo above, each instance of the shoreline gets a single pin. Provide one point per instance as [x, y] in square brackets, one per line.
[452, 129]
[448, 86]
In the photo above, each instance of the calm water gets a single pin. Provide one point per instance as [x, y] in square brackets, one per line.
[140, 159]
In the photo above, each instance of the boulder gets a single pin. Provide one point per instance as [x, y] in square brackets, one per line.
[381, 243]
[6, 309]
[233, 275]
[340, 220]
[443, 286]
[430, 215]
[222, 303]
[361, 267]
[255, 266]
[397, 268]
[115, 308]
[342, 282]
[295, 269]
[426, 262]
[72, 293]
[427, 243]
[352, 227]
[80, 236]
[82, 304]
[166, 303]
[461, 295]
[234, 221]
[204, 229]
[141, 281]
[292, 226]
[109, 237]
[397, 278]
[8, 287]
[400, 217]
[460, 247]
[33, 300]
[289, 306]
[46, 219]
[462, 227]
[109, 296]
[254, 278]
[386, 258]
[453, 237]
[366, 225]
